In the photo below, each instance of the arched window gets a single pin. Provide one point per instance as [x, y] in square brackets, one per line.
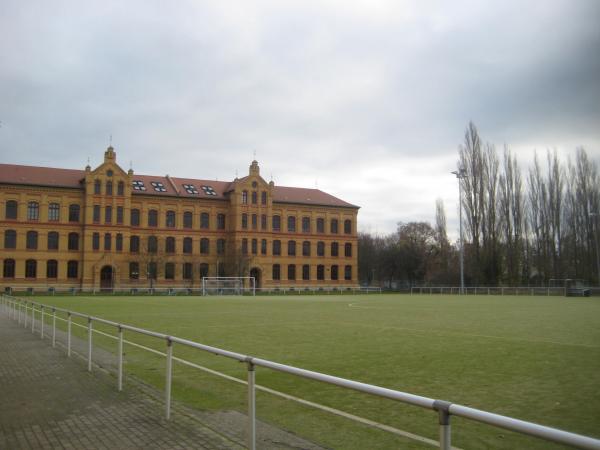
[291, 248]
[320, 272]
[134, 244]
[188, 269]
[347, 226]
[334, 226]
[254, 198]
[97, 187]
[120, 188]
[263, 197]
[204, 246]
[51, 268]
[53, 212]
[152, 270]
[153, 218]
[73, 241]
[204, 220]
[291, 223]
[152, 244]
[276, 271]
[320, 225]
[244, 246]
[134, 270]
[33, 211]
[347, 249]
[320, 248]
[348, 273]
[11, 209]
[170, 219]
[109, 186]
[74, 213]
[8, 269]
[135, 217]
[306, 248]
[96, 241]
[334, 249]
[263, 247]
[276, 247]
[244, 221]
[188, 219]
[254, 248]
[31, 268]
[107, 241]
[203, 270]
[32, 240]
[244, 197]
[220, 246]
[170, 244]
[306, 224]
[10, 239]
[169, 271]
[276, 223]
[187, 245]
[221, 221]
[291, 271]
[306, 272]
[52, 240]
[334, 272]
[119, 242]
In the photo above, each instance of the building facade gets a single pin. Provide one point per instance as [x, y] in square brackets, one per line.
[107, 228]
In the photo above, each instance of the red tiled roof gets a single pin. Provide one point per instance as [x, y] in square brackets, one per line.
[169, 186]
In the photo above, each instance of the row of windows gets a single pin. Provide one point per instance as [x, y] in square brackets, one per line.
[170, 245]
[306, 224]
[31, 240]
[254, 197]
[33, 213]
[31, 268]
[11, 211]
[306, 275]
[171, 219]
[291, 248]
[108, 188]
[188, 271]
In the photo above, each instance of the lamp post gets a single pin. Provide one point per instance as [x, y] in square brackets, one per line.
[595, 216]
[460, 174]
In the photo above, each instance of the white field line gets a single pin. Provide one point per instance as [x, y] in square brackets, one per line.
[456, 333]
[259, 387]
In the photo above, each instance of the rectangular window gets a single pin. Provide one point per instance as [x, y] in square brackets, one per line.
[244, 221]
[334, 249]
[52, 240]
[32, 240]
[96, 241]
[53, 212]
[276, 247]
[188, 271]
[320, 225]
[254, 246]
[153, 218]
[33, 211]
[109, 188]
[244, 246]
[254, 221]
[334, 272]
[134, 244]
[107, 241]
[306, 224]
[204, 246]
[291, 248]
[221, 221]
[204, 220]
[169, 271]
[96, 217]
[263, 197]
[52, 269]
[73, 213]
[320, 272]
[291, 272]
[120, 188]
[348, 273]
[119, 242]
[276, 271]
[11, 209]
[263, 247]
[73, 241]
[72, 269]
[263, 222]
[119, 214]
[291, 224]
[347, 226]
[10, 239]
[334, 226]
[108, 214]
[187, 219]
[220, 246]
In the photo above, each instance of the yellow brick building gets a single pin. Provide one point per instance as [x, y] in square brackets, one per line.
[109, 228]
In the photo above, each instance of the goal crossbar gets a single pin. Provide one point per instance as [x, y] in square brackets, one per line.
[228, 285]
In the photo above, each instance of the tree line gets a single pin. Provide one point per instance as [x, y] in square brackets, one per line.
[520, 227]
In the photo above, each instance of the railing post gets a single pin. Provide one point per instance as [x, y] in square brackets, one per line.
[42, 325]
[120, 361]
[25, 324]
[53, 327]
[68, 334]
[443, 409]
[19, 308]
[251, 406]
[168, 378]
[89, 344]
[32, 317]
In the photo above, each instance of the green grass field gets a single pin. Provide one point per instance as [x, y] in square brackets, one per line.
[533, 358]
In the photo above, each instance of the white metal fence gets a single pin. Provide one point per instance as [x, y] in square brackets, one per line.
[28, 312]
[515, 290]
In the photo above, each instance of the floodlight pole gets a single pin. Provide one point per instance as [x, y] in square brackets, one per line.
[460, 174]
[595, 216]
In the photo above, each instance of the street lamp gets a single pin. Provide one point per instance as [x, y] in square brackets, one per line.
[595, 215]
[460, 174]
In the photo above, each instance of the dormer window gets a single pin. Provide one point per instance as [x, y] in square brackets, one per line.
[208, 190]
[138, 185]
[190, 189]
[158, 186]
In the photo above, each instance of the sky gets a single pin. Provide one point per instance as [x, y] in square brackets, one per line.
[367, 100]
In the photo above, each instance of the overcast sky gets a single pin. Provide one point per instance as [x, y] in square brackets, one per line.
[368, 100]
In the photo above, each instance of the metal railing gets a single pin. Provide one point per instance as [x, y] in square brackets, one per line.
[508, 290]
[19, 310]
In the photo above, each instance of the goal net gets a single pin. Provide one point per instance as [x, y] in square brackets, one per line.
[228, 286]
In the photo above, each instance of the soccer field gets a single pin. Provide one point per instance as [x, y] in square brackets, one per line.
[533, 358]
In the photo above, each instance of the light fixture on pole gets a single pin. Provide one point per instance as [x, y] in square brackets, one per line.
[460, 174]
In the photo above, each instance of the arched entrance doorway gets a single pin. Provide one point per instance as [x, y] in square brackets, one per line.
[106, 278]
[255, 272]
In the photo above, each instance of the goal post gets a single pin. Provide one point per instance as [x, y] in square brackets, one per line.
[228, 285]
